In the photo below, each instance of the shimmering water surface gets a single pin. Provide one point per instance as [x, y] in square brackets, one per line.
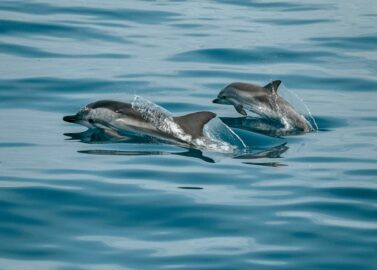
[82, 201]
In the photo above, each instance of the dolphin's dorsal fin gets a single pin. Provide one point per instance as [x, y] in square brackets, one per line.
[193, 123]
[273, 86]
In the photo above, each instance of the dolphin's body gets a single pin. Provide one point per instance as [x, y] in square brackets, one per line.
[115, 116]
[263, 101]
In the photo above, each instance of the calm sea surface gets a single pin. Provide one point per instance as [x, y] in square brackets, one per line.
[76, 201]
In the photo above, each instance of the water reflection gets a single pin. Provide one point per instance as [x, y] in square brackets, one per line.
[99, 136]
[189, 153]
[260, 125]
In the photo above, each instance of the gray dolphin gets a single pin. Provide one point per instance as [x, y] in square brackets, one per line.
[115, 116]
[263, 101]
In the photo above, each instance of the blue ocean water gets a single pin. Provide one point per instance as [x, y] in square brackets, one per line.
[81, 202]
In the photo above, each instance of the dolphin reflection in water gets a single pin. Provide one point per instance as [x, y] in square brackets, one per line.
[114, 121]
[100, 136]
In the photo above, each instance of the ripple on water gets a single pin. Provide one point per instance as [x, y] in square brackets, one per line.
[61, 92]
[142, 16]
[33, 52]
[295, 21]
[25, 28]
[258, 55]
[281, 5]
[361, 43]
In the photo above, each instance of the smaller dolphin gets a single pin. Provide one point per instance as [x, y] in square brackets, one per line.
[115, 116]
[263, 101]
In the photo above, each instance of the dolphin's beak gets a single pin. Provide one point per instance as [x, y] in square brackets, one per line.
[217, 101]
[221, 101]
[71, 118]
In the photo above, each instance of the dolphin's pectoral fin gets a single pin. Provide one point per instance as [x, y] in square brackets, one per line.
[112, 133]
[239, 108]
[273, 86]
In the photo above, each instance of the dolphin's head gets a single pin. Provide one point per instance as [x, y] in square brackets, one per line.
[225, 96]
[83, 117]
[97, 114]
[237, 92]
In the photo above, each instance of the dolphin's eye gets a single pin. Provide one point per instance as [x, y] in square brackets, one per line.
[90, 120]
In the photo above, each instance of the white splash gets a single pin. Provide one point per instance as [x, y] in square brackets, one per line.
[300, 105]
[161, 118]
[218, 137]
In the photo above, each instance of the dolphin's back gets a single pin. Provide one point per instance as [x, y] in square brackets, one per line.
[116, 106]
[246, 87]
[193, 123]
[271, 88]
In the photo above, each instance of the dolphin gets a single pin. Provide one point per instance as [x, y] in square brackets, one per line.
[264, 101]
[116, 117]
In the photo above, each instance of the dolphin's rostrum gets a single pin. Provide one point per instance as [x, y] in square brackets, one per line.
[263, 101]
